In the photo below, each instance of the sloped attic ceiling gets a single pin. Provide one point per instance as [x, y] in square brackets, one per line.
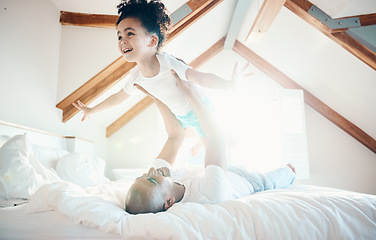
[232, 20]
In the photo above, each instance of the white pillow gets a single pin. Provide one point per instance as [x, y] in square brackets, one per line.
[81, 169]
[48, 156]
[21, 174]
[3, 139]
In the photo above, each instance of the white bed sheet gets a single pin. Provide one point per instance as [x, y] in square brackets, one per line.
[16, 224]
[298, 212]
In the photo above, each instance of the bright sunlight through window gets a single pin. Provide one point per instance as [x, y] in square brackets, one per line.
[265, 130]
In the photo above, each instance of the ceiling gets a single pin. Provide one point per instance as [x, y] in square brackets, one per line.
[282, 45]
[103, 6]
[242, 13]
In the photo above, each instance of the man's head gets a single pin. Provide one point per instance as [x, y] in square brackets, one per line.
[150, 193]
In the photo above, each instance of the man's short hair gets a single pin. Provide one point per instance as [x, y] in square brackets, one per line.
[140, 202]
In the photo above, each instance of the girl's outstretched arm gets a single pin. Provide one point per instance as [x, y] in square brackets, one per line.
[109, 102]
[210, 80]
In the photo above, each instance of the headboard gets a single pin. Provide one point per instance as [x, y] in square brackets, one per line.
[36, 136]
[47, 139]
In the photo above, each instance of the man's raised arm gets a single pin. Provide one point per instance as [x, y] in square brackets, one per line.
[174, 131]
[216, 147]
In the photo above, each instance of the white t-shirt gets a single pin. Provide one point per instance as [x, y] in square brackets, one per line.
[163, 86]
[211, 187]
[214, 186]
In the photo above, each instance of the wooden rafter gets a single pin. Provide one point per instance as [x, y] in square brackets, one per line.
[309, 99]
[128, 116]
[108, 21]
[112, 74]
[147, 101]
[97, 85]
[88, 20]
[265, 17]
[301, 7]
[364, 20]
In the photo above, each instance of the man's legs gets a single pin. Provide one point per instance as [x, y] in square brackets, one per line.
[279, 178]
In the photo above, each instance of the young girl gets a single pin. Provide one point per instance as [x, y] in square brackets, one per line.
[141, 31]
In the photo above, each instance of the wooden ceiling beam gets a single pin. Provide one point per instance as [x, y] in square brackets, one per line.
[109, 21]
[147, 101]
[101, 82]
[88, 20]
[199, 9]
[365, 19]
[309, 99]
[301, 7]
[264, 19]
[129, 115]
[113, 73]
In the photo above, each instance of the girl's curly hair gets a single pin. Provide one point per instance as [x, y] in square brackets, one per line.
[152, 14]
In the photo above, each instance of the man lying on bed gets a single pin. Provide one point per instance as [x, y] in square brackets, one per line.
[155, 191]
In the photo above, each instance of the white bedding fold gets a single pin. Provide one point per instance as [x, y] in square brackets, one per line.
[299, 212]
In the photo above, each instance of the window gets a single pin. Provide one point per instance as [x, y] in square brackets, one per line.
[264, 130]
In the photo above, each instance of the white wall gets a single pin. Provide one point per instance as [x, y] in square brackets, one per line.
[29, 65]
[341, 81]
[30, 40]
[138, 142]
[336, 158]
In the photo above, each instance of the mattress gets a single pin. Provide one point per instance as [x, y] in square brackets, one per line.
[16, 224]
[66, 211]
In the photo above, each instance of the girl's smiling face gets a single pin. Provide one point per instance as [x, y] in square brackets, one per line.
[134, 42]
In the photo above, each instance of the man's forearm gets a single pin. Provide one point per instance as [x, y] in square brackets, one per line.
[172, 124]
[175, 133]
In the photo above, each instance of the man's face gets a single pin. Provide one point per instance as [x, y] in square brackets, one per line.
[153, 179]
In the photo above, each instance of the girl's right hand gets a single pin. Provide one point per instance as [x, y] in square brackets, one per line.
[86, 110]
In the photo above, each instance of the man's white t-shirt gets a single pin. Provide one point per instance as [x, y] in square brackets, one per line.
[163, 86]
[207, 185]
[212, 185]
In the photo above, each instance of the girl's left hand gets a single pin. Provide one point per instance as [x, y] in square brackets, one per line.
[239, 75]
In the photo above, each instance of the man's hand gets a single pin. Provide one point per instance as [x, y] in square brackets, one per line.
[164, 171]
[144, 91]
[186, 86]
[86, 110]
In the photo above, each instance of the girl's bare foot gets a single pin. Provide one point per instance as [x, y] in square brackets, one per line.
[292, 167]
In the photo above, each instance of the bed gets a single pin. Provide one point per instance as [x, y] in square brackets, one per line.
[88, 205]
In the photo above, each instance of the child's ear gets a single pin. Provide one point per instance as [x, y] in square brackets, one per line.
[154, 41]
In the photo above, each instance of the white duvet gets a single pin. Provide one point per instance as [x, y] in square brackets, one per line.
[299, 212]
